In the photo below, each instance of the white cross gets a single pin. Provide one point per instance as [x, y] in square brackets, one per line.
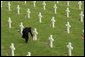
[67, 11]
[68, 27]
[67, 3]
[83, 30]
[40, 17]
[34, 2]
[51, 40]
[35, 33]
[9, 21]
[25, 2]
[57, 1]
[55, 7]
[9, 6]
[44, 4]
[12, 48]
[28, 13]
[69, 48]
[21, 27]
[81, 15]
[18, 9]
[1, 3]
[80, 3]
[29, 54]
[53, 22]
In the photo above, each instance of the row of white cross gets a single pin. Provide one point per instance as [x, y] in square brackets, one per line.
[70, 48]
[44, 4]
[52, 22]
[68, 31]
[81, 14]
[67, 15]
[13, 49]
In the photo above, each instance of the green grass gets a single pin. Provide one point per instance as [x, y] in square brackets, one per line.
[41, 47]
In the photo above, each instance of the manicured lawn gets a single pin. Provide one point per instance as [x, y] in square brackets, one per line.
[41, 47]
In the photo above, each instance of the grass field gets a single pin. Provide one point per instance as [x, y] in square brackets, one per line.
[41, 47]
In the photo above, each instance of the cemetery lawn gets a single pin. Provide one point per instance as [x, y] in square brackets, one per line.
[41, 47]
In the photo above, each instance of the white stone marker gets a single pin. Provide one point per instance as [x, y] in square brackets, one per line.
[68, 27]
[44, 4]
[57, 2]
[83, 30]
[67, 3]
[53, 22]
[70, 48]
[25, 2]
[55, 7]
[67, 12]
[21, 27]
[12, 48]
[18, 9]
[34, 3]
[9, 6]
[29, 54]
[35, 33]
[51, 40]
[40, 17]
[81, 16]
[1, 3]
[28, 13]
[79, 3]
[9, 21]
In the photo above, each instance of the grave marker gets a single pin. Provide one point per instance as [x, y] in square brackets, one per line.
[34, 3]
[53, 22]
[1, 3]
[79, 3]
[51, 40]
[12, 48]
[81, 16]
[67, 12]
[9, 6]
[68, 27]
[18, 9]
[57, 2]
[9, 22]
[70, 48]
[35, 33]
[67, 3]
[55, 7]
[29, 54]
[44, 4]
[40, 17]
[28, 13]
[25, 2]
[21, 27]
